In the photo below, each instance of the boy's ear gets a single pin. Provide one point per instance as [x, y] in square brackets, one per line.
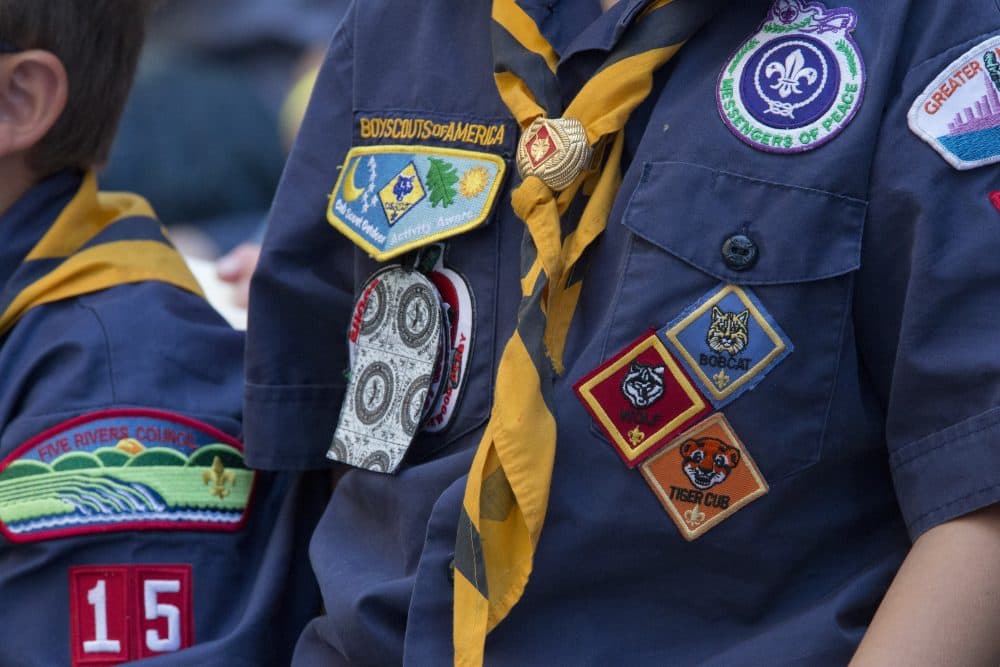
[33, 93]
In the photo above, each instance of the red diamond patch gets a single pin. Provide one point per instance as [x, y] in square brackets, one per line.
[542, 146]
[641, 398]
[995, 198]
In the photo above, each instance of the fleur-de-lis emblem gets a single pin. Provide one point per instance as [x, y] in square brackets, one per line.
[636, 436]
[790, 73]
[694, 516]
[217, 478]
[720, 379]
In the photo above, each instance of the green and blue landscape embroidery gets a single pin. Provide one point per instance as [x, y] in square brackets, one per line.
[124, 470]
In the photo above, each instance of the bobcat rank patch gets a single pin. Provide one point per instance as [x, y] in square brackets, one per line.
[392, 199]
[797, 82]
[640, 398]
[958, 113]
[704, 476]
[124, 470]
[728, 342]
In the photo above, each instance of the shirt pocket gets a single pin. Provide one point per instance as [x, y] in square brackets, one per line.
[808, 247]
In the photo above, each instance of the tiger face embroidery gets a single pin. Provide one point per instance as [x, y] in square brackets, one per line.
[708, 461]
[643, 384]
[728, 332]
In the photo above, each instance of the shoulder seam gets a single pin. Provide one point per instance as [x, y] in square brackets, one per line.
[107, 347]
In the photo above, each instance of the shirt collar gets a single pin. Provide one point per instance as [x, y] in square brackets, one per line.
[572, 26]
[24, 223]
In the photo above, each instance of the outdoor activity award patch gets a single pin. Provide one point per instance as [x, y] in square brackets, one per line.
[797, 82]
[728, 341]
[640, 398]
[391, 199]
[124, 470]
[958, 113]
[704, 476]
[397, 337]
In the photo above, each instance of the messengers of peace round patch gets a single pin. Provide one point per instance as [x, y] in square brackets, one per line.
[797, 82]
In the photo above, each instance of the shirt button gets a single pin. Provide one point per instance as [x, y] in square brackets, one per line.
[739, 252]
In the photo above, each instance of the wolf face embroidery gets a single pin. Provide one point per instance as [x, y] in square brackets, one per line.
[643, 384]
[728, 332]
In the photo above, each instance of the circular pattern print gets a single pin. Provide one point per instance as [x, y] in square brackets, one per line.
[375, 309]
[374, 392]
[418, 315]
[412, 410]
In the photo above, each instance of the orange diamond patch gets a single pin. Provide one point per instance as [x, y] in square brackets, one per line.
[704, 476]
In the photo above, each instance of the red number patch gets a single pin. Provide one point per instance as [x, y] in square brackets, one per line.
[127, 612]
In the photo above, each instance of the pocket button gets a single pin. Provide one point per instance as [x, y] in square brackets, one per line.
[739, 252]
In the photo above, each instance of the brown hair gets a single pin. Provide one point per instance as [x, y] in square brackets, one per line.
[98, 42]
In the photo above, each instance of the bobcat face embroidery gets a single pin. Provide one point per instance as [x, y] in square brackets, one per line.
[728, 332]
[708, 461]
[643, 385]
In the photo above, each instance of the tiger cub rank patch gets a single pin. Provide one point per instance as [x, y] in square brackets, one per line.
[641, 398]
[124, 470]
[704, 476]
[728, 342]
[958, 113]
[392, 199]
[797, 82]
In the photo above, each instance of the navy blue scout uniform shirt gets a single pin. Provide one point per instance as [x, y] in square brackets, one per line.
[874, 259]
[146, 346]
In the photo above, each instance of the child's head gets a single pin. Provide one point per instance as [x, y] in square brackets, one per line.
[64, 76]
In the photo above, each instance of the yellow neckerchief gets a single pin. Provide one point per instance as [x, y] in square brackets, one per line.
[98, 241]
[507, 492]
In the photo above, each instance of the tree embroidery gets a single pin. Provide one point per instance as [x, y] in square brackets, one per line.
[441, 180]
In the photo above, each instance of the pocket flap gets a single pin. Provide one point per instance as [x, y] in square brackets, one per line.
[801, 234]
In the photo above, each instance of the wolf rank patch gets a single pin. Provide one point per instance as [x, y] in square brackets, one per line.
[641, 398]
[704, 476]
[392, 199]
[124, 470]
[958, 113]
[728, 342]
[398, 346]
[796, 83]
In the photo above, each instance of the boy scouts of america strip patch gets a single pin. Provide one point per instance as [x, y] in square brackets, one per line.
[640, 398]
[797, 82]
[958, 113]
[392, 199]
[124, 470]
[704, 476]
[728, 341]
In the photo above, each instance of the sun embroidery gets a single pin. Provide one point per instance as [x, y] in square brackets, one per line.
[473, 182]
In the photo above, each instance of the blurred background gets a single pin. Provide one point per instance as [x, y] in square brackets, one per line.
[219, 96]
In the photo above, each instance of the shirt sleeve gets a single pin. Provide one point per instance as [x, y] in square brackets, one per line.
[301, 293]
[927, 299]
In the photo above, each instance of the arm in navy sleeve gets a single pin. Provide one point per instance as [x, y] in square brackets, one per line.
[301, 293]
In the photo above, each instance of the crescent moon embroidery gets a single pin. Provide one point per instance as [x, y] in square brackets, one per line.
[351, 191]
